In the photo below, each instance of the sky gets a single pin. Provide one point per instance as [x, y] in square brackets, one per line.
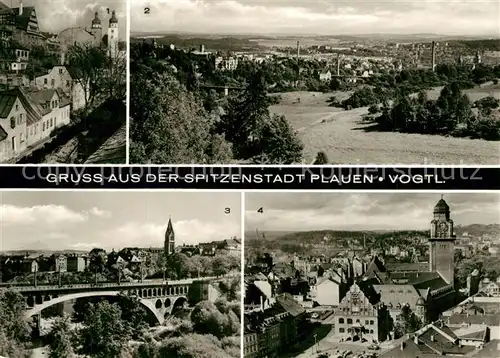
[363, 211]
[57, 15]
[330, 17]
[113, 220]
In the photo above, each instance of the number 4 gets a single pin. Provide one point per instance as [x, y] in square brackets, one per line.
[261, 210]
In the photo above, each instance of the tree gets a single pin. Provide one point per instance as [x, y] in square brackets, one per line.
[170, 125]
[180, 264]
[193, 346]
[279, 142]
[14, 330]
[60, 338]
[105, 335]
[86, 63]
[406, 322]
[114, 79]
[97, 260]
[321, 159]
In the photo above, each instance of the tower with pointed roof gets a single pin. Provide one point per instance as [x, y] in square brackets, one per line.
[96, 28]
[113, 35]
[442, 242]
[169, 244]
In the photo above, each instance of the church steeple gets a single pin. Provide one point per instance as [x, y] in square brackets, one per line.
[169, 244]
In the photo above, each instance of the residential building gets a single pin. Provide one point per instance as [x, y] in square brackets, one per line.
[76, 263]
[274, 330]
[20, 24]
[28, 118]
[327, 291]
[61, 262]
[325, 76]
[60, 78]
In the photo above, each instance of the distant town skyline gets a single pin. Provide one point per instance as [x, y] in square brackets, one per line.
[321, 17]
[74, 13]
[363, 211]
[113, 220]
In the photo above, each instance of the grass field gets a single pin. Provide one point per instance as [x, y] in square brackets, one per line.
[347, 140]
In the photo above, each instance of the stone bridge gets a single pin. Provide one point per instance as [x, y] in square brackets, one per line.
[160, 297]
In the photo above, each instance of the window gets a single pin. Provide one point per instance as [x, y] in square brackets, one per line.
[14, 147]
[349, 330]
[60, 71]
[43, 127]
[17, 107]
[371, 331]
[371, 322]
[12, 122]
[349, 321]
[357, 321]
[53, 82]
[341, 320]
[45, 81]
[50, 122]
[367, 322]
[21, 137]
[21, 119]
[341, 330]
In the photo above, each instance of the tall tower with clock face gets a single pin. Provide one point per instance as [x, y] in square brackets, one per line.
[442, 242]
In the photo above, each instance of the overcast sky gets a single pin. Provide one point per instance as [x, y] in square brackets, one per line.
[445, 17]
[57, 15]
[84, 220]
[363, 211]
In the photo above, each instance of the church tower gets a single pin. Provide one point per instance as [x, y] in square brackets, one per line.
[96, 29]
[169, 245]
[113, 37]
[442, 243]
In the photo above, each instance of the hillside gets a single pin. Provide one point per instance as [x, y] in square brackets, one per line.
[478, 229]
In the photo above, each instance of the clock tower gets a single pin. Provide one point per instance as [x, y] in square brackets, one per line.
[442, 243]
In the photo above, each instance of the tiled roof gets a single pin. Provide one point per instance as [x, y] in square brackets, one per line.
[488, 320]
[289, 304]
[22, 21]
[7, 100]
[392, 295]
[3, 134]
[402, 267]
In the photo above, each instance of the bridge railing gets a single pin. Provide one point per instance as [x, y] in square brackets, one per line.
[143, 283]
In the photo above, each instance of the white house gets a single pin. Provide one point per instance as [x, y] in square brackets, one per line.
[13, 117]
[60, 78]
[28, 118]
[326, 292]
[325, 76]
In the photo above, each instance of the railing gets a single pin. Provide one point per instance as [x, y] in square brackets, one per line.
[80, 286]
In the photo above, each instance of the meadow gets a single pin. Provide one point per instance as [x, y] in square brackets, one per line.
[346, 139]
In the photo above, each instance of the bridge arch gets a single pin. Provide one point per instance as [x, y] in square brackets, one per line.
[40, 307]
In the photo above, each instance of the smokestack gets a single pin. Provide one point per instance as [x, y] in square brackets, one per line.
[202, 48]
[338, 64]
[298, 50]
[402, 345]
[433, 55]
[20, 7]
[63, 58]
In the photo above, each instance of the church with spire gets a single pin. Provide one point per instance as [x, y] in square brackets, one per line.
[94, 34]
[169, 243]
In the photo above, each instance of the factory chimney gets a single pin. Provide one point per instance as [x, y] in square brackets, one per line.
[202, 48]
[433, 55]
[338, 65]
[20, 7]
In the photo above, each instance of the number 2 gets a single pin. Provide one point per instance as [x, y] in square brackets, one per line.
[147, 10]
